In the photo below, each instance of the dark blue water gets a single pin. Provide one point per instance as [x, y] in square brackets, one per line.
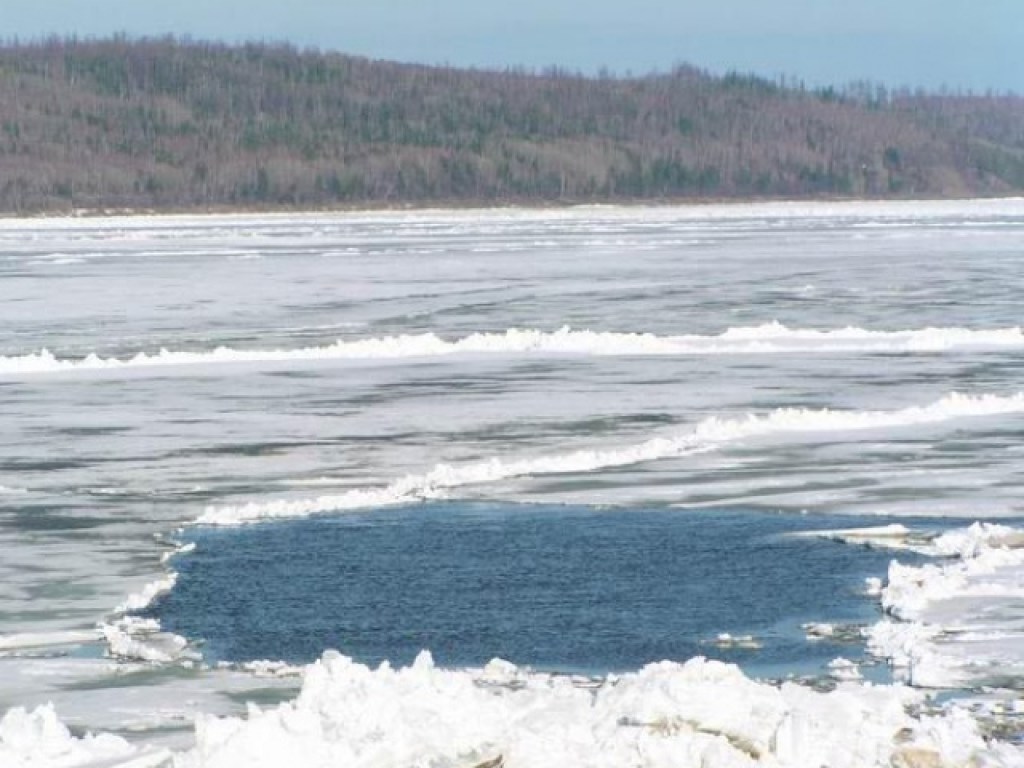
[555, 587]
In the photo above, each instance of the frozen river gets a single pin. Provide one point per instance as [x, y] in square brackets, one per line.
[178, 380]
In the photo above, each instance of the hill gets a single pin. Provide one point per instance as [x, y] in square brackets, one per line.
[174, 124]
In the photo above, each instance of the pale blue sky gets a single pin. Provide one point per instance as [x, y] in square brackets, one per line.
[976, 44]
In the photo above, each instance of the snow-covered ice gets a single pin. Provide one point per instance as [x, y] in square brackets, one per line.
[768, 339]
[624, 346]
[38, 739]
[957, 620]
[666, 714]
[709, 434]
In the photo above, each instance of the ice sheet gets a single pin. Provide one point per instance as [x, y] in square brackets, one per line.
[77, 533]
[958, 621]
[707, 435]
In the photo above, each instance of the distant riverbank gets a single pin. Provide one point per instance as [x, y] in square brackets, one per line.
[162, 125]
[469, 206]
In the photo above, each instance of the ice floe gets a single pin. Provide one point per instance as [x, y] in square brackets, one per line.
[844, 669]
[743, 642]
[957, 621]
[891, 536]
[134, 639]
[140, 600]
[835, 633]
[707, 435]
[38, 739]
[667, 714]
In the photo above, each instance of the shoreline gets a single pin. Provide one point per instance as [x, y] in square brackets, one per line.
[371, 207]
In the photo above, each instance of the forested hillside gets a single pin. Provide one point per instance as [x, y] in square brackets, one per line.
[171, 124]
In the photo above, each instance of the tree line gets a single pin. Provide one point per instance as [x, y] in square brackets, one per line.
[177, 124]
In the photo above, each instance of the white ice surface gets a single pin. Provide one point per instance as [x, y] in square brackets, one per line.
[141, 640]
[707, 435]
[891, 536]
[98, 227]
[38, 739]
[766, 339]
[25, 640]
[139, 600]
[958, 621]
[145, 703]
[844, 669]
[132, 638]
[699, 713]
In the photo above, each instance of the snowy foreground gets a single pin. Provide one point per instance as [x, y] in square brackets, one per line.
[701, 713]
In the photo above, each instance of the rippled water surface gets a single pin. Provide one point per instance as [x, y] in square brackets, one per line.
[564, 588]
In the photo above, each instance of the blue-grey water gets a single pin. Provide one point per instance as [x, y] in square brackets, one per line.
[102, 464]
[562, 588]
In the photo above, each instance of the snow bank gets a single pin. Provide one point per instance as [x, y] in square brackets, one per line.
[959, 620]
[707, 435]
[770, 338]
[702, 713]
[38, 739]
[699, 713]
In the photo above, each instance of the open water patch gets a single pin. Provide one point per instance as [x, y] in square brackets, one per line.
[564, 588]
